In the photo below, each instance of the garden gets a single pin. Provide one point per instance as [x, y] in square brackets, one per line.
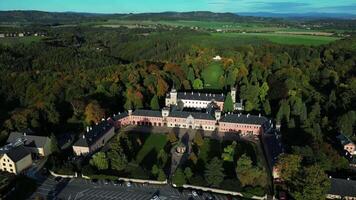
[228, 165]
[132, 155]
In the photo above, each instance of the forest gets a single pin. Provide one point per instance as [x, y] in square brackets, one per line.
[77, 75]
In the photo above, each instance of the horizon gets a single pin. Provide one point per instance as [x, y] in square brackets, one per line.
[156, 6]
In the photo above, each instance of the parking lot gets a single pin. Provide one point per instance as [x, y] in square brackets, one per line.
[76, 189]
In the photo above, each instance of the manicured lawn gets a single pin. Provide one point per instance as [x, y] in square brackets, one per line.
[153, 144]
[211, 76]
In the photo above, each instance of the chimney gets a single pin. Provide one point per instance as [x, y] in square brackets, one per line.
[259, 115]
[90, 128]
[192, 92]
[102, 119]
[87, 128]
[206, 94]
[83, 136]
[199, 93]
[185, 93]
[130, 112]
[248, 115]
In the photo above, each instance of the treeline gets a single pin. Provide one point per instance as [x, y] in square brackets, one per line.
[77, 76]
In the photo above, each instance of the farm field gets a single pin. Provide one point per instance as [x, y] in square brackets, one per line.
[279, 38]
[19, 40]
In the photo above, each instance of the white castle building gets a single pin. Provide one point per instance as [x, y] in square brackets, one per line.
[200, 100]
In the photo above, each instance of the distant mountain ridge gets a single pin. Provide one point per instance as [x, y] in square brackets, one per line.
[313, 15]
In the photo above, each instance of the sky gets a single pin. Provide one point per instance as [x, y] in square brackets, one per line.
[139, 6]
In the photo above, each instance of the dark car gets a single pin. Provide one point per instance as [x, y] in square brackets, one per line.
[118, 182]
[282, 195]
[58, 179]
[94, 181]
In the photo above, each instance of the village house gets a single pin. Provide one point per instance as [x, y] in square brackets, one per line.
[94, 138]
[37, 145]
[347, 144]
[14, 159]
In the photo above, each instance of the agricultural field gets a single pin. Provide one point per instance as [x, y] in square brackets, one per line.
[19, 40]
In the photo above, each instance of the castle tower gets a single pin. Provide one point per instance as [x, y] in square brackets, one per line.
[233, 94]
[217, 115]
[165, 112]
[174, 96]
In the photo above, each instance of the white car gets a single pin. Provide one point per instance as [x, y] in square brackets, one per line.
[128, 184]
[194, 193]
[155, 198]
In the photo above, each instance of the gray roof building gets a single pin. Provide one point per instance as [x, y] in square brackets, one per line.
[342, 187]
[147, 113]
[94, 134]
[29, 140]
[343, 139]
[244, 119]
[196, 115]
[17, 153]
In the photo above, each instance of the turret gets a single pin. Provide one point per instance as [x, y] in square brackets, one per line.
[174, 96]
[165, 112]
[217, 115]
[233, 94]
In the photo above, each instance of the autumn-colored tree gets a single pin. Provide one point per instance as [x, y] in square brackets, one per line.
[93, 112]
[172, 137]
[162, 87]
[198, 139]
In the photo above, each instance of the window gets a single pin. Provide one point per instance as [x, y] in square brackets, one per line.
[11, 170]
[10, 165]
[3, 164]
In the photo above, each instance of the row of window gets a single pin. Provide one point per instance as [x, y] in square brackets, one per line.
[196, 102]
[240, 126]
[4, 164]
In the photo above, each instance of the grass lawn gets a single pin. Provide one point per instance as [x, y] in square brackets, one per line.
[211, 76]
[153, 144]
[280, 38]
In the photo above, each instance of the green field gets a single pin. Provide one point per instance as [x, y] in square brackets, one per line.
[211, 76]
[280, 38]
[19, 40]
[154, 142]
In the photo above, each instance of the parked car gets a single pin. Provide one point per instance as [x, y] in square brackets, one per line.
[94, 181]
[58, 179]
[282, 195]
[195, 194]
[128, 184]
[118, 182]
[155, 197]
[106, 181]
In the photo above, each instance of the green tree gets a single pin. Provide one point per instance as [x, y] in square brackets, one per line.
[191, 75]
[118, 161]
[263, 91]
[214, 172]
[99, 161]
[229, 152]
[155, 170]
[154, 103]
[288, 166]
[198, 84]
[178, 178]
[54, 143]
[161, 175]
[172, 138]
[198, 139]
[249, 174]
[228, 103]
[93, 112]
[188, 173]
[312, 184]
[162, 158]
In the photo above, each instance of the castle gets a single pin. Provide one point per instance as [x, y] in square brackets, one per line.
[171, 117]
[199, 100]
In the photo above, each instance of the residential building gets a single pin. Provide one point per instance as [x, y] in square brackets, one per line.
[94, 137]
[342, 189]
[347, 144]
[2, 35]
[15, 159]
[37, 145]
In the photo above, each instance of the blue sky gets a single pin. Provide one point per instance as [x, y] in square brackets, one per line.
[137, 6]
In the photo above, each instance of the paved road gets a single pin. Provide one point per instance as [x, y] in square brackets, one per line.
[77, 189]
